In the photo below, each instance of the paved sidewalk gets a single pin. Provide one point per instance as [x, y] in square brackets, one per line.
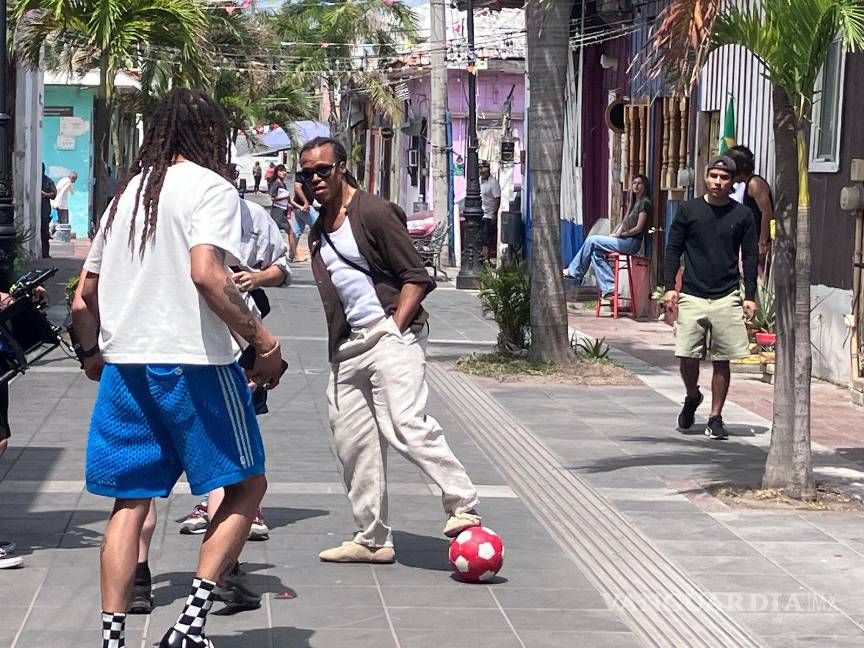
[611, 541]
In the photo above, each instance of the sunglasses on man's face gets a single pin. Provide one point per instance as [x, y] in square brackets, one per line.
[323, 171]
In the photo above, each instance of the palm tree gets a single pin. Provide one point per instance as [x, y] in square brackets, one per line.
[337, 48]
[248, 78]
[548, 27]
[791, 38]
[113, 35]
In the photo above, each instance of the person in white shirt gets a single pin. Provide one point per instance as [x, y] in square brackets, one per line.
[264, 264]
[490, 194]
[61, 201]
[154, 314]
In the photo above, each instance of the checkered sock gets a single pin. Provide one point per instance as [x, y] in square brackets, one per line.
[194, 616]
[113, 630]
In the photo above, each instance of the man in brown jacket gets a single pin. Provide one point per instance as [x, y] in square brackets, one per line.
[372, 282]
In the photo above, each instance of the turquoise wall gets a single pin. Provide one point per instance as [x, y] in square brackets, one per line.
[59, 163]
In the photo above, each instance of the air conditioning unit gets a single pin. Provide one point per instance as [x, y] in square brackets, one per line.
[413, 158]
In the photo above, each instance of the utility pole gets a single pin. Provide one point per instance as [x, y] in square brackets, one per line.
[7, 208]
[439, 158]
[470, 269]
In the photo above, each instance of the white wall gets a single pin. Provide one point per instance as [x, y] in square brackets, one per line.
[27, 158]
[829, 333]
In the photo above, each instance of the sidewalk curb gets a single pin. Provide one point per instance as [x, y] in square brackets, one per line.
[620, 561]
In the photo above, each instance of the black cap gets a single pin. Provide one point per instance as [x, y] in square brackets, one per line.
[483, 164]
[724, 163]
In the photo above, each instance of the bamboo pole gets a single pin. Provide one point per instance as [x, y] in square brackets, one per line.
[857, 311]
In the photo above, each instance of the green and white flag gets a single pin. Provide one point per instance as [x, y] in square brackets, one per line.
[728, 139]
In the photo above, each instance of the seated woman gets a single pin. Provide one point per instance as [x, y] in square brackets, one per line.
[626, 239]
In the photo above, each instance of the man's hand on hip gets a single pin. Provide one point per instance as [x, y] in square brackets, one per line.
[670, 299]
[749, 309]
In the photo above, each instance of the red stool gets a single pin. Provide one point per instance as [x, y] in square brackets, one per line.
[619, 262]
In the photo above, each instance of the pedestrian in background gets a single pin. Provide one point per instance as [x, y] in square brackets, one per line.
[61, 202]
[305, 216]
[279, 210]
[628, 238]
[711, 231]
[256, 175]
[757, 197]
[269, 175]
[372, 282]
[49, 192]
[490, 195]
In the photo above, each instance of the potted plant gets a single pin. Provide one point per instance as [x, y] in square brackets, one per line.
[764, 321]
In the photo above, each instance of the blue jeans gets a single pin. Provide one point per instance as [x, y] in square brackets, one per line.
[593, 250]
[302, 220]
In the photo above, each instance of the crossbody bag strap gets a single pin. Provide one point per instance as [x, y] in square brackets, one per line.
[342, 257]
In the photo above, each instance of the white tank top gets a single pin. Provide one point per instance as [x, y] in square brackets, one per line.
[355, 289]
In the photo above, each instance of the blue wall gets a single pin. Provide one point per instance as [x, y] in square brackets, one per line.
[59, 163]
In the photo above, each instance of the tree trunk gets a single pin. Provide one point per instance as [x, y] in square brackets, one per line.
[101, 135]
[784, 468]
[548, 49]
[802, 484]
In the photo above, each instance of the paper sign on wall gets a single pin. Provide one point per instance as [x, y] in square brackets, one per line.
[65, 143]
[73, 126]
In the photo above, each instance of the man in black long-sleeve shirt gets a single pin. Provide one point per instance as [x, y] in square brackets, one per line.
[710, 231]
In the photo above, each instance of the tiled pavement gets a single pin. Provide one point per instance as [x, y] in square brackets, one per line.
[789, 579]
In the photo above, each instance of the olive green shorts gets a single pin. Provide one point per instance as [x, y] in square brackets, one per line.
[715, 325]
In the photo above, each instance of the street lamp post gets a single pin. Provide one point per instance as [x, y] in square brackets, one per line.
[469, 269]
[7, 209]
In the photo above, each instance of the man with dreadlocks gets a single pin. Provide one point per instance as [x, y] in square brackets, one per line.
[171, 396]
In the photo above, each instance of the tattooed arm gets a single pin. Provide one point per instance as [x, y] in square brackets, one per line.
[214, 283]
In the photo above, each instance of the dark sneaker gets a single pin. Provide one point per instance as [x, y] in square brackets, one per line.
[142, 594]
[233, 590]
[715, 429]
[688, 412]
[196, 522]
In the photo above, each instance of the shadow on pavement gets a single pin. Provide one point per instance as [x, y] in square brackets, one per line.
[422, 552]
[265, 638]
[721, 460]
[281, 516]
[169, 587]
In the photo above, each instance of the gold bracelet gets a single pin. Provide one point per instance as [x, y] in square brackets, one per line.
[270, 352]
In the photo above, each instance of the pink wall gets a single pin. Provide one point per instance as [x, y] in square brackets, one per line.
[492, 90]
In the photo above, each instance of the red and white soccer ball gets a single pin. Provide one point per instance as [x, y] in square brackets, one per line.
[476, 555]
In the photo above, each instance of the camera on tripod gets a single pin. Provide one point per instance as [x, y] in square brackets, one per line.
[26, 335]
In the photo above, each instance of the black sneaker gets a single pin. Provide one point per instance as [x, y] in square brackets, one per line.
[688, 412]
[174, 639]
[715, 429]
[142, 591]
[232, 589]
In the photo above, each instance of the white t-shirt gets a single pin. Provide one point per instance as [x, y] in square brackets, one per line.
[149, 309]
[355, 289]
[490, 192]
[64, 188]
[262, 245]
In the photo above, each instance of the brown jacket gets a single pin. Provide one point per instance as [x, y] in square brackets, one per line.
[379, 227]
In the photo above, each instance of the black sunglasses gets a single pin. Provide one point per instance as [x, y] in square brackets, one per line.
[323, 171]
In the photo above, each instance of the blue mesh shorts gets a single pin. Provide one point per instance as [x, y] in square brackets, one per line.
[152, 422]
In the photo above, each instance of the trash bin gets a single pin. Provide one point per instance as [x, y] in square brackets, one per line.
[63, 232]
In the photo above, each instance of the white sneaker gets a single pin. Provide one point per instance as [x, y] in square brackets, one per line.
[9, 562]
[259, 529]
[458, 522]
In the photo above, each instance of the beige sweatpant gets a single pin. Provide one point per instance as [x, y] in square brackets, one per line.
[377, 394]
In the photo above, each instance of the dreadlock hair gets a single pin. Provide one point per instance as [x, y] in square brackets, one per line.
[338, 151]
[185, 122]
